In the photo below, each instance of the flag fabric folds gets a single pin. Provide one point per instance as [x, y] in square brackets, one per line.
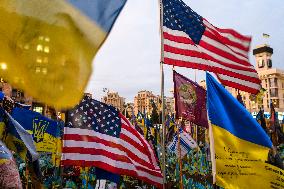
[45, 132]
[186, 143]
[47, 47]
[26, 137]
[241, 145]
[96, 134]
[191, 41]
[190, 100]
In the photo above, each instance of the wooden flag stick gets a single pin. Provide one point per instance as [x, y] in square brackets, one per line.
[87, 177]
[212, 151]
[180, 159]
[27, 174]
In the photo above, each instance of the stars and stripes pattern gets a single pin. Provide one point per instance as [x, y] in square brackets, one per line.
[191, 41]
[96, 134]
[186, 143]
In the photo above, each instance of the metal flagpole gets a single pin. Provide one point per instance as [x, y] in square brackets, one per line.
[162, 97]
[163, 127]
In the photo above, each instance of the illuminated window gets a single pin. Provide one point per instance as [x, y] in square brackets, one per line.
[39, 48]
[38, 109]
[46, 49]
[39, 60]
[47, 39]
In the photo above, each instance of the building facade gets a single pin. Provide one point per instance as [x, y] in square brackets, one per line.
[113, 98]
[143, 101]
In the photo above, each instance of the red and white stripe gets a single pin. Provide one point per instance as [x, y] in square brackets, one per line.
[130, 154]
[221, 51]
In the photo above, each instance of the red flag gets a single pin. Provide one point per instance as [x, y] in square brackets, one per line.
[190, 100]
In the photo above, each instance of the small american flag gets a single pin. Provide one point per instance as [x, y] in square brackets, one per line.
[96, 134]
[191, 41]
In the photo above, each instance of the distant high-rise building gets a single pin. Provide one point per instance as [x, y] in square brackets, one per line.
[143, 101]
[113, 98]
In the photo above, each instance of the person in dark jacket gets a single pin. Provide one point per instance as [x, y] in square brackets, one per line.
[275, 159]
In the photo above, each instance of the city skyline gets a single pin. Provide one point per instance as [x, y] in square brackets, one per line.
[134, 43]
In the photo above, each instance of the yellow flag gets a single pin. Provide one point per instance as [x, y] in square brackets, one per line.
[47, 46]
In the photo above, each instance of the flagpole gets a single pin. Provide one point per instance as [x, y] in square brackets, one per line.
[27, 174]
[163, 127]
[196, 139]
[179, 157]
[212, 150]
[162, 97]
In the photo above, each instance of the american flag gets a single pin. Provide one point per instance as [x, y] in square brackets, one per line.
[191, 41]
[96, 134]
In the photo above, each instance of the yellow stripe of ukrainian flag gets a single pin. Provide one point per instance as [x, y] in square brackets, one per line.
[241, 164]
[47, 47]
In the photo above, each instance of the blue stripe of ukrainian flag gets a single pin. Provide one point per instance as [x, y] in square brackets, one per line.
[105, 15]
[241, 145]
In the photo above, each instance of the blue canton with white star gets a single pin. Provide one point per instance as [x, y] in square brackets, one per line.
[178, 16]
[94, 115]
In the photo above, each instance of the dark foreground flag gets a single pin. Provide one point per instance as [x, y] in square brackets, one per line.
[191, 41]
[96, 134]
[190, 100]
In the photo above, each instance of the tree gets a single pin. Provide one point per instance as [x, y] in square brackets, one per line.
[155, 118]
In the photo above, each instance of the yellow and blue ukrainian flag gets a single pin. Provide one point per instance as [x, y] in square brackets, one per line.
[47, 46]
[45, 132]
[241, 145]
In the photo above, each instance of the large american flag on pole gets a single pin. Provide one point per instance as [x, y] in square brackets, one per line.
[191, 41]
[96, 134]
